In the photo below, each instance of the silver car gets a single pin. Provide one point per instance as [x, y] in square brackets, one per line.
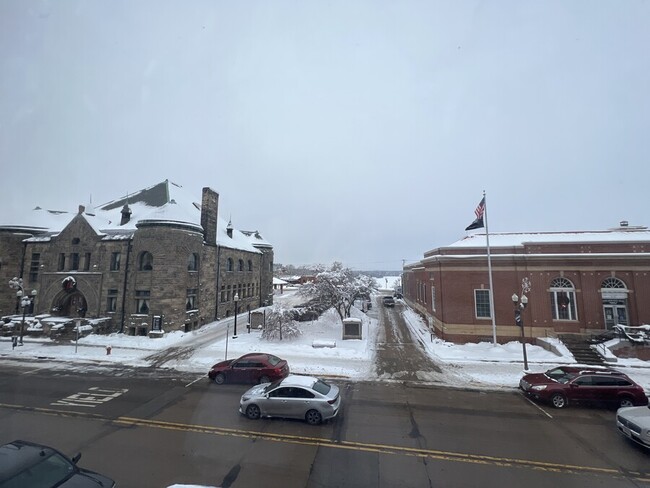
[634, 423]
[297, 397]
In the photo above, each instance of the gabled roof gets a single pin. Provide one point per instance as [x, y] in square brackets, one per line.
[163, 203]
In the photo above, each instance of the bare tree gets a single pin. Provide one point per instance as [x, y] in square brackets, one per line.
[280, 324]
[339, 287]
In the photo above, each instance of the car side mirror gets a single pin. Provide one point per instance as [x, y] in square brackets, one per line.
[76, 459]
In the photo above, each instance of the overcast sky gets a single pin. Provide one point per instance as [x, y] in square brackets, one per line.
[359, 131]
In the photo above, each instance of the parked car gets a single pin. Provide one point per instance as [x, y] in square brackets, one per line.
[25, 464]
[634, 423]
[388, 301]
[299, 397]
[580, 384]
[254, 367]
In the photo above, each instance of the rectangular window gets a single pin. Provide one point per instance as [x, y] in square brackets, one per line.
[228, 294]
[115, 261]
[190, 302]
[563, 305]
[87, 262]
[34, 266]
[433, 298]
[111, 302]
[142, 298]
[74, 261]
[61, 264]
[223, 293]
[482, 304]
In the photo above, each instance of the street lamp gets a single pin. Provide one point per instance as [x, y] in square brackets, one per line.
[520, 305]
[25, 301]
[236, 299]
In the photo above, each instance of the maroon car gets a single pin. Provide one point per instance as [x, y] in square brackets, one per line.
[583, 384]
[255, 367]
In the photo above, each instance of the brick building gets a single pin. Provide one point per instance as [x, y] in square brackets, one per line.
[155, 258]
[580, 282]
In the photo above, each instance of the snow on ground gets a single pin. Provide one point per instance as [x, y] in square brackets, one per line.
[482, 365]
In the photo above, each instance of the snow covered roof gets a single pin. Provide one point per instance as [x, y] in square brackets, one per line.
[163, 203]
[278, 281]
[506, 239]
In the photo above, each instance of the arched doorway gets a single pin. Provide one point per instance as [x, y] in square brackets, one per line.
[614, 296]
[70, 304]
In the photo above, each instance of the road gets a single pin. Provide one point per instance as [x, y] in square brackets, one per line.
[147, 431]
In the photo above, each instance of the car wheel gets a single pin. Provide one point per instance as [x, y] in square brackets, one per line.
[625, 402]
[253, 412]
[313, 417]
[219, 379]
[558, 400]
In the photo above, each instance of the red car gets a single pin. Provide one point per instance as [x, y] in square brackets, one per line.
[583, 384]
[255, 367]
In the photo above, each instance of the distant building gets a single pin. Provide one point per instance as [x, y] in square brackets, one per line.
[580, 282]
[156, 258]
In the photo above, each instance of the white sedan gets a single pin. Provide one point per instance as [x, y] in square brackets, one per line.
[634, 422]
[298, 397]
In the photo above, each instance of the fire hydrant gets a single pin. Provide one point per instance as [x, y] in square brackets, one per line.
[108, 350]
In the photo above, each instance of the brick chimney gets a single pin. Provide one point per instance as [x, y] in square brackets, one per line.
[209, 214]
[126, 214]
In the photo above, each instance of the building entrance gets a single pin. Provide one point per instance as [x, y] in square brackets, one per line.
[615, 313]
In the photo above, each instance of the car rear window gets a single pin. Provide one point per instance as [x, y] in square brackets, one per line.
[274, 360]
[321, 387]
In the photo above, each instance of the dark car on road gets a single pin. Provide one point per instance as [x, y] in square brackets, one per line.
[563, 385]
[250, 368]
[388, 301]
[25, 464]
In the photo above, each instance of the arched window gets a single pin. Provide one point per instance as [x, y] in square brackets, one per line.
[613, 283]
[229, 268]
[145, 261]
[193, 262]
[241, 265]
[563, 299]
[250, 265]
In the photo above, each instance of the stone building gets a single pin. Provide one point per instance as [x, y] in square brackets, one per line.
[155, 260]
[579, 283]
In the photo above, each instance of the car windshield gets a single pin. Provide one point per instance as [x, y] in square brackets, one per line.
[272, 386]
[321, 387]
[50, 471]
[560, 375]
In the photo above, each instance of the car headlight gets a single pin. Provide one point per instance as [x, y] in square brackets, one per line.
[538, 387]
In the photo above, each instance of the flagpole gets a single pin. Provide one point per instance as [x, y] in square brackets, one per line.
[487, 240]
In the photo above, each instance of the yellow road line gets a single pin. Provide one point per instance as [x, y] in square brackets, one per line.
[349, 445]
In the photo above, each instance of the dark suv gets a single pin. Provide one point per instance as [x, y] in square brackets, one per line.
[583, 384]
[388, 301]
[24, 464]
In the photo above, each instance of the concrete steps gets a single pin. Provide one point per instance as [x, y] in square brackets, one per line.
[580, 347]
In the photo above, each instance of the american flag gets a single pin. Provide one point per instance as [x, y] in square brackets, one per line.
[478, 222]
